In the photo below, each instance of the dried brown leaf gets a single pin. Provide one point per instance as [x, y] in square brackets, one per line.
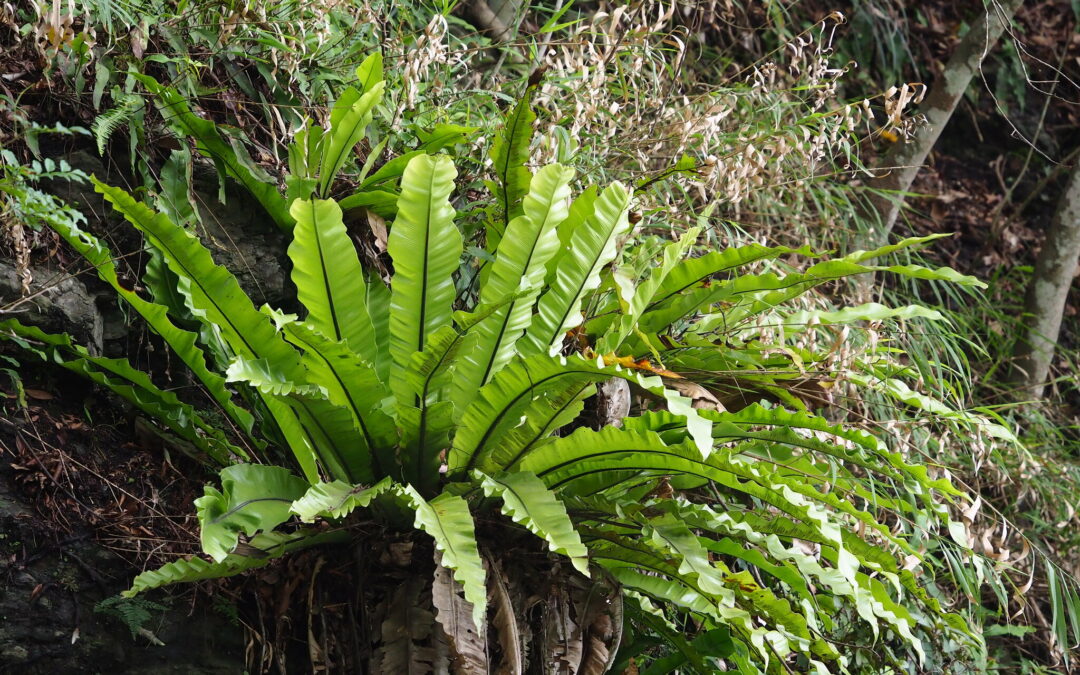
[505, 622]
[468, 644]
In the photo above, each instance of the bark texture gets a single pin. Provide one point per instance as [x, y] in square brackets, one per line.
[903, 162]
[1055, 270]
[480, 14]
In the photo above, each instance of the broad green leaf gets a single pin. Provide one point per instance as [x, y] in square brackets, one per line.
[443, 136]
[253, 498]
[518, 397]
[634, 300]
[378, 302]
[214, 297]
[509, 153]
[426, 376]
[328, 277]
[519, 268]
[748, 423]
[592, 246]
[529, 503]
[261, 551]
[614, 460]
[695, 270]
[211, 291]
[448, 521]
[350, 382]
[337, 499]
[425, 438]
[305, 151]
[425, 247]
[176, 179]
[381, 202]
[581, 209]
[370, 72]
[673, 537]
[426, 426]
[748, 295]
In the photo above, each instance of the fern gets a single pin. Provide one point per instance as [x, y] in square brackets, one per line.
[132, 612]
[106, 124]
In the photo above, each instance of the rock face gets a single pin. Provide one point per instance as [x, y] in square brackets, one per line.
[57, 303]
[48, 623]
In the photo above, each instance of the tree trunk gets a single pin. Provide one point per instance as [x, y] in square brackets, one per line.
[1046, 294]
[901, 164]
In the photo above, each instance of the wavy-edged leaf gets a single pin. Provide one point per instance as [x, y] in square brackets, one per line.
[888, 249]
[253, 498]
[447, 520]
[528, 502]
[748, 295]
[518, 397]
[425, 247]
[260, 551]
[617, 460]
[580, 210]
[328, 277]
[209, 141]
[133, 385]
[592, 246]
[695, 270]
[349, 381]
[182, 342]
[871, 311]
[672, 536]
[636, 565]
[727, 425]
[214, 297]
[901, 391]
[519, 268]
[337, 499]
[335, 440]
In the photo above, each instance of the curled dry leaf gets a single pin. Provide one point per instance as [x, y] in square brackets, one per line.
[505, 621]
[468, 642]
[703, 398]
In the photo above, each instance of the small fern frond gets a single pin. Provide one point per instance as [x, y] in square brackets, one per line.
[109, 121]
